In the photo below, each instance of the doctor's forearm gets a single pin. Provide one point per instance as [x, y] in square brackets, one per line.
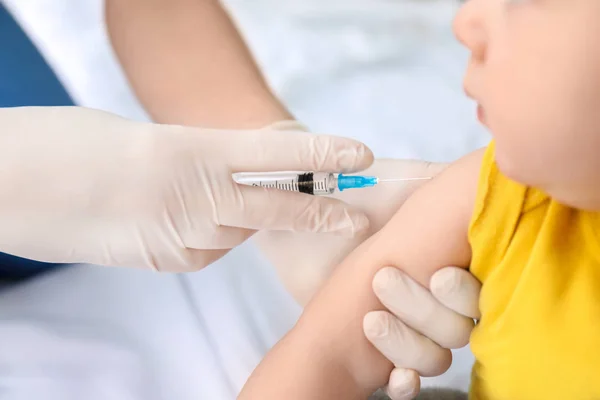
[188, 64]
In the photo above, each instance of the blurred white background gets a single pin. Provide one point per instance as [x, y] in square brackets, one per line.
[387, 72]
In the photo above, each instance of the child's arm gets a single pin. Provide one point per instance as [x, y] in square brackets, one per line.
[326, 356]
[188, 65]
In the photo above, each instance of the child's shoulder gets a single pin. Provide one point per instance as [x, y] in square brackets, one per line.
[455, 190]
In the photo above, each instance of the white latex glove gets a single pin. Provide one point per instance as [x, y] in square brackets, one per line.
[80, 185]
[421, 325]
[304, 260]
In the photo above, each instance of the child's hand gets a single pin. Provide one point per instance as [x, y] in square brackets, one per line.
[304, 261]
[421, 324]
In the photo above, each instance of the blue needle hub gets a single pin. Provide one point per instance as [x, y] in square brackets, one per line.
[355, 181]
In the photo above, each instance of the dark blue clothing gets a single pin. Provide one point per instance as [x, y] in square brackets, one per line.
[25, 80]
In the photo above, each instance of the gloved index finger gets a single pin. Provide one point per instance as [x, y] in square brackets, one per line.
[273, 150]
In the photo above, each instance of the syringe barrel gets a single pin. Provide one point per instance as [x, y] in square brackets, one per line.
[324, 183]
[315, 183]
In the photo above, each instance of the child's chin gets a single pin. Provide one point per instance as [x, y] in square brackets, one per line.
[580, 201]
[509, 166]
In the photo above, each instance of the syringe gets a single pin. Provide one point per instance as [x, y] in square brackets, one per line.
[315, 183]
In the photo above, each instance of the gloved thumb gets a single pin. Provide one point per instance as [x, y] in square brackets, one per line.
[457, 289]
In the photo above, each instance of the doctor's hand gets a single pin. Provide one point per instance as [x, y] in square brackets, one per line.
[421, 324]
[304, 260]
[80, 185]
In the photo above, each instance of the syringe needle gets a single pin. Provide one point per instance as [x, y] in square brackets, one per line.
[402, 179]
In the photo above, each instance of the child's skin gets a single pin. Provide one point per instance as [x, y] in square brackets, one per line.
[535, 73]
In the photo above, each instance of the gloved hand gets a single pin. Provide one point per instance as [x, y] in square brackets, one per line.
[81, 185]
[421, 325]
[304, 261]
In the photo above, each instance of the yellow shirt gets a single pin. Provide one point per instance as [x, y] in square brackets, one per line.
[539, 261]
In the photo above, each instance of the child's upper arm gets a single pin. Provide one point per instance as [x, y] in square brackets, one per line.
[327, 354]
[430, 231]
